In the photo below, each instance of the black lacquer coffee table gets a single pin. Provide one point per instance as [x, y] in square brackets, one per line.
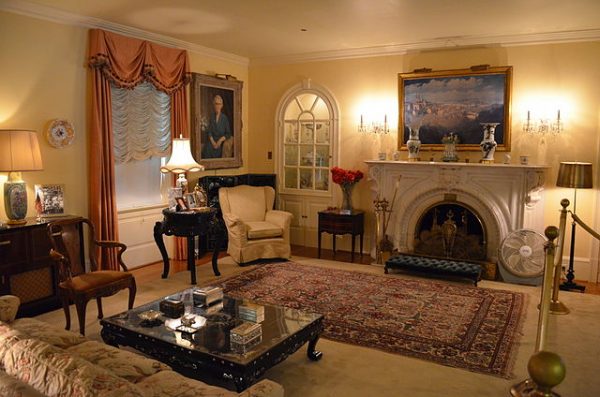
[207, 351]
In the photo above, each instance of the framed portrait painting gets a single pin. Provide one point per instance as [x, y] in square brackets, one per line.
[216, 137]
[437, 103]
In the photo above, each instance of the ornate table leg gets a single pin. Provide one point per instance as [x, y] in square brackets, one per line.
[217, 229]
[158, 238]
[313, 354]
[191, 257]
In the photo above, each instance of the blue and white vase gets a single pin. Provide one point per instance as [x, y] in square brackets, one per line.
[488, 144]
[413, 145]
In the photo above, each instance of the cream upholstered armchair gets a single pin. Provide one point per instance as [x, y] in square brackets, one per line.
[254, 229]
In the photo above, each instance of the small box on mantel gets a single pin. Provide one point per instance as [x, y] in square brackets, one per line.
[206, 296]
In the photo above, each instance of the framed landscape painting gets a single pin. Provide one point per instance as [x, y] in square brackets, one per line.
[216, 109]
[438, 103]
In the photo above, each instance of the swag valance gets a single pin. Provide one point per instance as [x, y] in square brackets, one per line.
[127, 61]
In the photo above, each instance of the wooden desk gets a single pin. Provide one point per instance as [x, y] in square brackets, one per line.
[189, 224]
[332, 221]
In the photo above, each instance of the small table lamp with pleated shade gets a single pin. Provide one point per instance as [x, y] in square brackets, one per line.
[19, 152]
[181, 161]
[574, 175]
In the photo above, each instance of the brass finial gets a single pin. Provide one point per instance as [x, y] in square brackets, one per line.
[546, 370]
[551, 232]
[565, 203]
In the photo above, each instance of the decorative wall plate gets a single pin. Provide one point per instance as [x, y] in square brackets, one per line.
[60, 133]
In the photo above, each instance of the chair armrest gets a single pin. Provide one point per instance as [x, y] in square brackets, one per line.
[264, 388]
[120, 247]
[236, 228]
[9, 305]
[283, 219]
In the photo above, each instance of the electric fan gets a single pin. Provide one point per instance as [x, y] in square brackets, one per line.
[522, 257]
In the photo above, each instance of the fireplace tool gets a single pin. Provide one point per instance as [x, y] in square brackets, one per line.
[383, 212]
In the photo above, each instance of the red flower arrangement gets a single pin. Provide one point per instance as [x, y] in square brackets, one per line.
[345, 177]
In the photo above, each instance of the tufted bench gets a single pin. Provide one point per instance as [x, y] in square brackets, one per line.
[435, 267]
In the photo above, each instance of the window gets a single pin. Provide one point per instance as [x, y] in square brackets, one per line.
[141, 120]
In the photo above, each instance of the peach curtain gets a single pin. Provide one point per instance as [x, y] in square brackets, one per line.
[126, 62]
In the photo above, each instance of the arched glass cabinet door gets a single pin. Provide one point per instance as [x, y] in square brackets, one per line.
[307, 144]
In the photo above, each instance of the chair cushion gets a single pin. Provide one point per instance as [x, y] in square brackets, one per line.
[130, 366]
[87, 281]
[248, 202]
[259, 229]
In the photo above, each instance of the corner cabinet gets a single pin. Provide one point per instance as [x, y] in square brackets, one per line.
[306, 148]
[26, 269]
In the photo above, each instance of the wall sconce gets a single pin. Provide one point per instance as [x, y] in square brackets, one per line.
[375, 127]
[543, 126]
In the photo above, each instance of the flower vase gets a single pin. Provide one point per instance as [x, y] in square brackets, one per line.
[413, 144]
[347, 196]
[488, 144]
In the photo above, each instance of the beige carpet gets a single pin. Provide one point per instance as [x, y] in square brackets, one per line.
[348, 370]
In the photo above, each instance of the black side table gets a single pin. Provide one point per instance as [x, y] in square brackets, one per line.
[189, 224]
[334, 222]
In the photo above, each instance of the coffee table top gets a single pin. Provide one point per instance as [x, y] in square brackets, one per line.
[212, 338]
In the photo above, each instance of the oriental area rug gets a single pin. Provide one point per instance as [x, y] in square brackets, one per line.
[466, 327]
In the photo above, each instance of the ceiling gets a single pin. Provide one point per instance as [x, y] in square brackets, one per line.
[258, 29]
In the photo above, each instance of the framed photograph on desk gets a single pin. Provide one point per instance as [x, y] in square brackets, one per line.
[50, 200]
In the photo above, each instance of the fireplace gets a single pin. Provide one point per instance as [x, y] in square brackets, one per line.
[496, 199]
[450, 229]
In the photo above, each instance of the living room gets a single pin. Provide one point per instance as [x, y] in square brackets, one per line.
[553, 54]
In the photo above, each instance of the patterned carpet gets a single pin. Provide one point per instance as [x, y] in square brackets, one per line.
[459, 326]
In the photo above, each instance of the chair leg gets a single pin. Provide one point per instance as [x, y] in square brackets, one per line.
[81, 305]
[99, 302]
[67, 310]
[132, 291]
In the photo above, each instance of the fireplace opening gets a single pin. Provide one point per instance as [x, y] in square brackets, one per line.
[451, 230]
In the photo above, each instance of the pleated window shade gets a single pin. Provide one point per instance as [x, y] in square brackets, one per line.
[141, 121]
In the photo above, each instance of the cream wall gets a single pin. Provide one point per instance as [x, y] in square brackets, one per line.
[544, 77]
[43, 76]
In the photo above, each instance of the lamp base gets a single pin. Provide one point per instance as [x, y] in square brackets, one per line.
[15, 202]
[557, 307]
[570, 286]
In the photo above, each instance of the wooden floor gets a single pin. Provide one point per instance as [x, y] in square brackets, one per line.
[153, 271]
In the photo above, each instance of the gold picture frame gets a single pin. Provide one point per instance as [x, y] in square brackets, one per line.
[216, 109]
[457, 101]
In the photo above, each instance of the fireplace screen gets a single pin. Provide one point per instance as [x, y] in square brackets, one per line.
[451, 230]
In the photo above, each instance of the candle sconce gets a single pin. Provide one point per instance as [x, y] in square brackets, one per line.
[374, 127]
[543, 126]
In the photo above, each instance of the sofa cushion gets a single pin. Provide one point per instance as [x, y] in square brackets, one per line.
[260, 229]
[171, 384]
[56, 372]
[12, 387]
[9, 305]
[48, 333]
[130, 366]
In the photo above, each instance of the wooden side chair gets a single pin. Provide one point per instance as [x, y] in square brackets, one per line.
[95, 284]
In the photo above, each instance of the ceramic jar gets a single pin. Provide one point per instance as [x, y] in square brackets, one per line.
[414, 145]
[488, 144]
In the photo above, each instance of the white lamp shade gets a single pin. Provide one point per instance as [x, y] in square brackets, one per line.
[19, 151]
[181, 158]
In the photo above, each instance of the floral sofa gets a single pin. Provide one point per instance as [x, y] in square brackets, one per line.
[37, 359]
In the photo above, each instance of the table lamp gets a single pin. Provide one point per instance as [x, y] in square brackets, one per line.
[181, 161]
[19, 151]
[574, 175]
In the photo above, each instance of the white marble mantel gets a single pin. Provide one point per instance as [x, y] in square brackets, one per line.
[507, 197]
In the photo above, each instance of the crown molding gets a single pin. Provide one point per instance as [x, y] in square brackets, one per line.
[436, 44]
[67, 18]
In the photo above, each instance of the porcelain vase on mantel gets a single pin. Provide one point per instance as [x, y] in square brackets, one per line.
[488, 144]
[413, 145]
